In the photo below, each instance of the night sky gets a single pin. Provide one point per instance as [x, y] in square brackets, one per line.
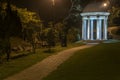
[44, 7]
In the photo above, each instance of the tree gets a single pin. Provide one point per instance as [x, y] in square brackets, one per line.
[114, 16]
[73, 19]
[48, 37]
[114, 9]
[30, 24]
[73, 35]
[8, 23]
[13, 21]
[59, 31]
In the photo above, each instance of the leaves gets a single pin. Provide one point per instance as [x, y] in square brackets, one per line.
[114, 13]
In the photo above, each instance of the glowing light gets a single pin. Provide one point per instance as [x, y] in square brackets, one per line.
[105, 4]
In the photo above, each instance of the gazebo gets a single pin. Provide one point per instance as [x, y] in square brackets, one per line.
[94, 21]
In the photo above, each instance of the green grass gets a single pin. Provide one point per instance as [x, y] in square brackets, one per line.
[18, 64]
[101, 62]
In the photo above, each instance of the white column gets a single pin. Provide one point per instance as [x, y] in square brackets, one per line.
[84, 29]
[98, 29]
[92, 30]
[105, 29]
[88, 30]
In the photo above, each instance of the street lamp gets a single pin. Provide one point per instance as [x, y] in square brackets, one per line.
[105, 4]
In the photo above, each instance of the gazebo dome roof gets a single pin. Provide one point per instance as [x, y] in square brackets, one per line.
[95, 7]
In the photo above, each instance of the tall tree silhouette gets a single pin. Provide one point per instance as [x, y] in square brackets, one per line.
[10, 25]
[73, 19]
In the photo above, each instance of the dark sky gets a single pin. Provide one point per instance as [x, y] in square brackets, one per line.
[44, 7]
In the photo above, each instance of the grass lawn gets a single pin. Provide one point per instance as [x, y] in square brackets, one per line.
[21, 63]
[101, 62]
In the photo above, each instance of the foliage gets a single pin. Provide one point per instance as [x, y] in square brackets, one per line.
[62, 33]
[27, 16]
[8, 21]
[115, 3]
[59, 31]
[17, 21]
[30, 25]
[6, 15]
[73, 35]
[114, 16]
[73, 19]
[50, 36]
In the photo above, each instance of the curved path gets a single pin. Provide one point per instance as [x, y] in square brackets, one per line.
[43, 68]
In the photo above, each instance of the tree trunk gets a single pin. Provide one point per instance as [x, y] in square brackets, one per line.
[8, 48]
[33, 47]
[64, 40]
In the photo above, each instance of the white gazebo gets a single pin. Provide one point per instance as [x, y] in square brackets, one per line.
[94, 22]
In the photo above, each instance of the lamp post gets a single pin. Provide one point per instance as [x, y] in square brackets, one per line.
[53, 21]
[53, 2]
[53, 7]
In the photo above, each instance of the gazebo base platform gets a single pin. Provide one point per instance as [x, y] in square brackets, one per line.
[94, 41]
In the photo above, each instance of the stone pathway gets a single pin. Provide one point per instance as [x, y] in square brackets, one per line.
[45, 67]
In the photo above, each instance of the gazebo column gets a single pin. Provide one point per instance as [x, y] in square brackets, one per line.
[91, 23]
[88, 30]
[84, 29]
[100, 29]
[105, 29]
